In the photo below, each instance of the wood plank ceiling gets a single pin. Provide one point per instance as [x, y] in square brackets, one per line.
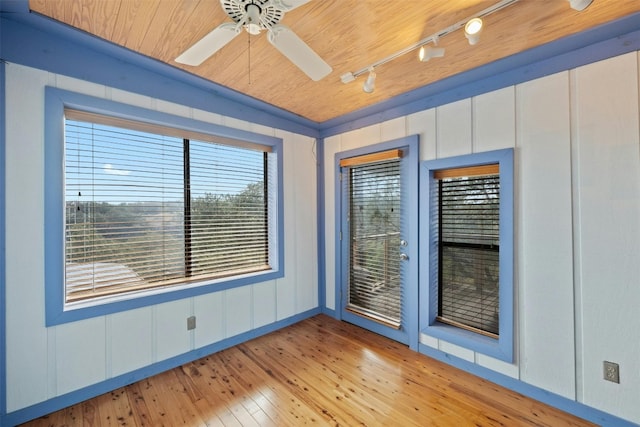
[347, 34]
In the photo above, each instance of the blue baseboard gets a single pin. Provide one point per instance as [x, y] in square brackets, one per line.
[567, 405]
[63, 401]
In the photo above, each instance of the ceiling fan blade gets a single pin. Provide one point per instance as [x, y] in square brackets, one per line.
[298, 52]
[287, 5]
[209, 44]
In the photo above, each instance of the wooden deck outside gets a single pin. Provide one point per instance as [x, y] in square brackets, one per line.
[317, 372]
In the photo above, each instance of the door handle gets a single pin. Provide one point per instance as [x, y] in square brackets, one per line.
[404, 257]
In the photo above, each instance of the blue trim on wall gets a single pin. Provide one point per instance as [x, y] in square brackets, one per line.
[3, 306]
[93, 390]
[620, 36]
[567, 405]
[56, 101]
[503, 347]
[322, 286]
[35, 41]
[409, 170]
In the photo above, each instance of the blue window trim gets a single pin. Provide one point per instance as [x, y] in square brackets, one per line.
[501, 348]
[56, 100]
[3, 324]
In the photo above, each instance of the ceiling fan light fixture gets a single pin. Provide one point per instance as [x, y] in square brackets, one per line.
[370, 84]
[252, 23]
[580, 5]
[428, 52]
[472, 30]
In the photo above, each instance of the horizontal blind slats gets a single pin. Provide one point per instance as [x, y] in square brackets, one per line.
[125, 208]
[469, 248]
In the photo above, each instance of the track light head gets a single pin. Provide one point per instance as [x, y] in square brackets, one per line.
[580, 5]
[472, 30]
[428, 52]
[370, 84]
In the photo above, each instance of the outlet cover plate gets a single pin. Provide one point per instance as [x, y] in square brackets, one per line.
[191, 323]
[611, 371]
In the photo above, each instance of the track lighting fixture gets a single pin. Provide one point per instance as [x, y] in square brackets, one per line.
[472, 30]
[428, 52]
[370, 84]
[580, 5]
[472, 27]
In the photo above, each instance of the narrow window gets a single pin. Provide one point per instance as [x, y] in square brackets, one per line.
[469, 248]
[466, 236]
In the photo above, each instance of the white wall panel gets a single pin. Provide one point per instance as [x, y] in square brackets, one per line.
[80, 354]
[545, 216]
[331, 147]
[130, 340]
[210, 317]
[360, 138]
[504, 368]
[171, 335]
[286, 286]
[457, 351]
[134, 99]
[423, 124]
[453, 129]
[26, 339]
[393, 129]
[305, 220]
[239, 310]
[608, 189]
[494, 124]
[264, 303]
[77, 85]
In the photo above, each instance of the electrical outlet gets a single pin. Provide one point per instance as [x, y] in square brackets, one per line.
[611, 372]
[191, 323]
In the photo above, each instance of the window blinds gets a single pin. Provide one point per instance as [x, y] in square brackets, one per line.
[374, 214]
[144, 210]
[469, 248]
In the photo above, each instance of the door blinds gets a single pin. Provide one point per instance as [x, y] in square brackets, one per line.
[374, 223]
[469, 201]
[145, 210]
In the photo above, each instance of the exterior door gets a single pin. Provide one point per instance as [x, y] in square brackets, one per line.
[378, 256]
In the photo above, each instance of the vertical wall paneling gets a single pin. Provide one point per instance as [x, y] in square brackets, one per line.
[239, 313]
[453, 127]
[545, 257]
[360, 137]
[209, 310]
[608, 160]
[171, 335]
[26, 344]
[306, 247]
[130, 340]
[424, 125]
[393, 129]
[79, 363]
[286, 286]
[331, 146]
[494, 120]
[264, 303]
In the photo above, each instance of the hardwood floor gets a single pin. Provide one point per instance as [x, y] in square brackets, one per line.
[317, 372]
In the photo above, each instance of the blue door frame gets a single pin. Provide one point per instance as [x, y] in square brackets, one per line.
[408, 332]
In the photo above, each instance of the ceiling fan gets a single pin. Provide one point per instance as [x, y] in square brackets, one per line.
[255, 16]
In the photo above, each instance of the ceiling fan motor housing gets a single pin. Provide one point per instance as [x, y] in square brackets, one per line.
[255, 15]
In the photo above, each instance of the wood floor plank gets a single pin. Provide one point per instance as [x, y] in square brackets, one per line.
[318, 372]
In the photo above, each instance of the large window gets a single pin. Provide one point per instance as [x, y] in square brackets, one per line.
[467, 231]
[156, 212]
